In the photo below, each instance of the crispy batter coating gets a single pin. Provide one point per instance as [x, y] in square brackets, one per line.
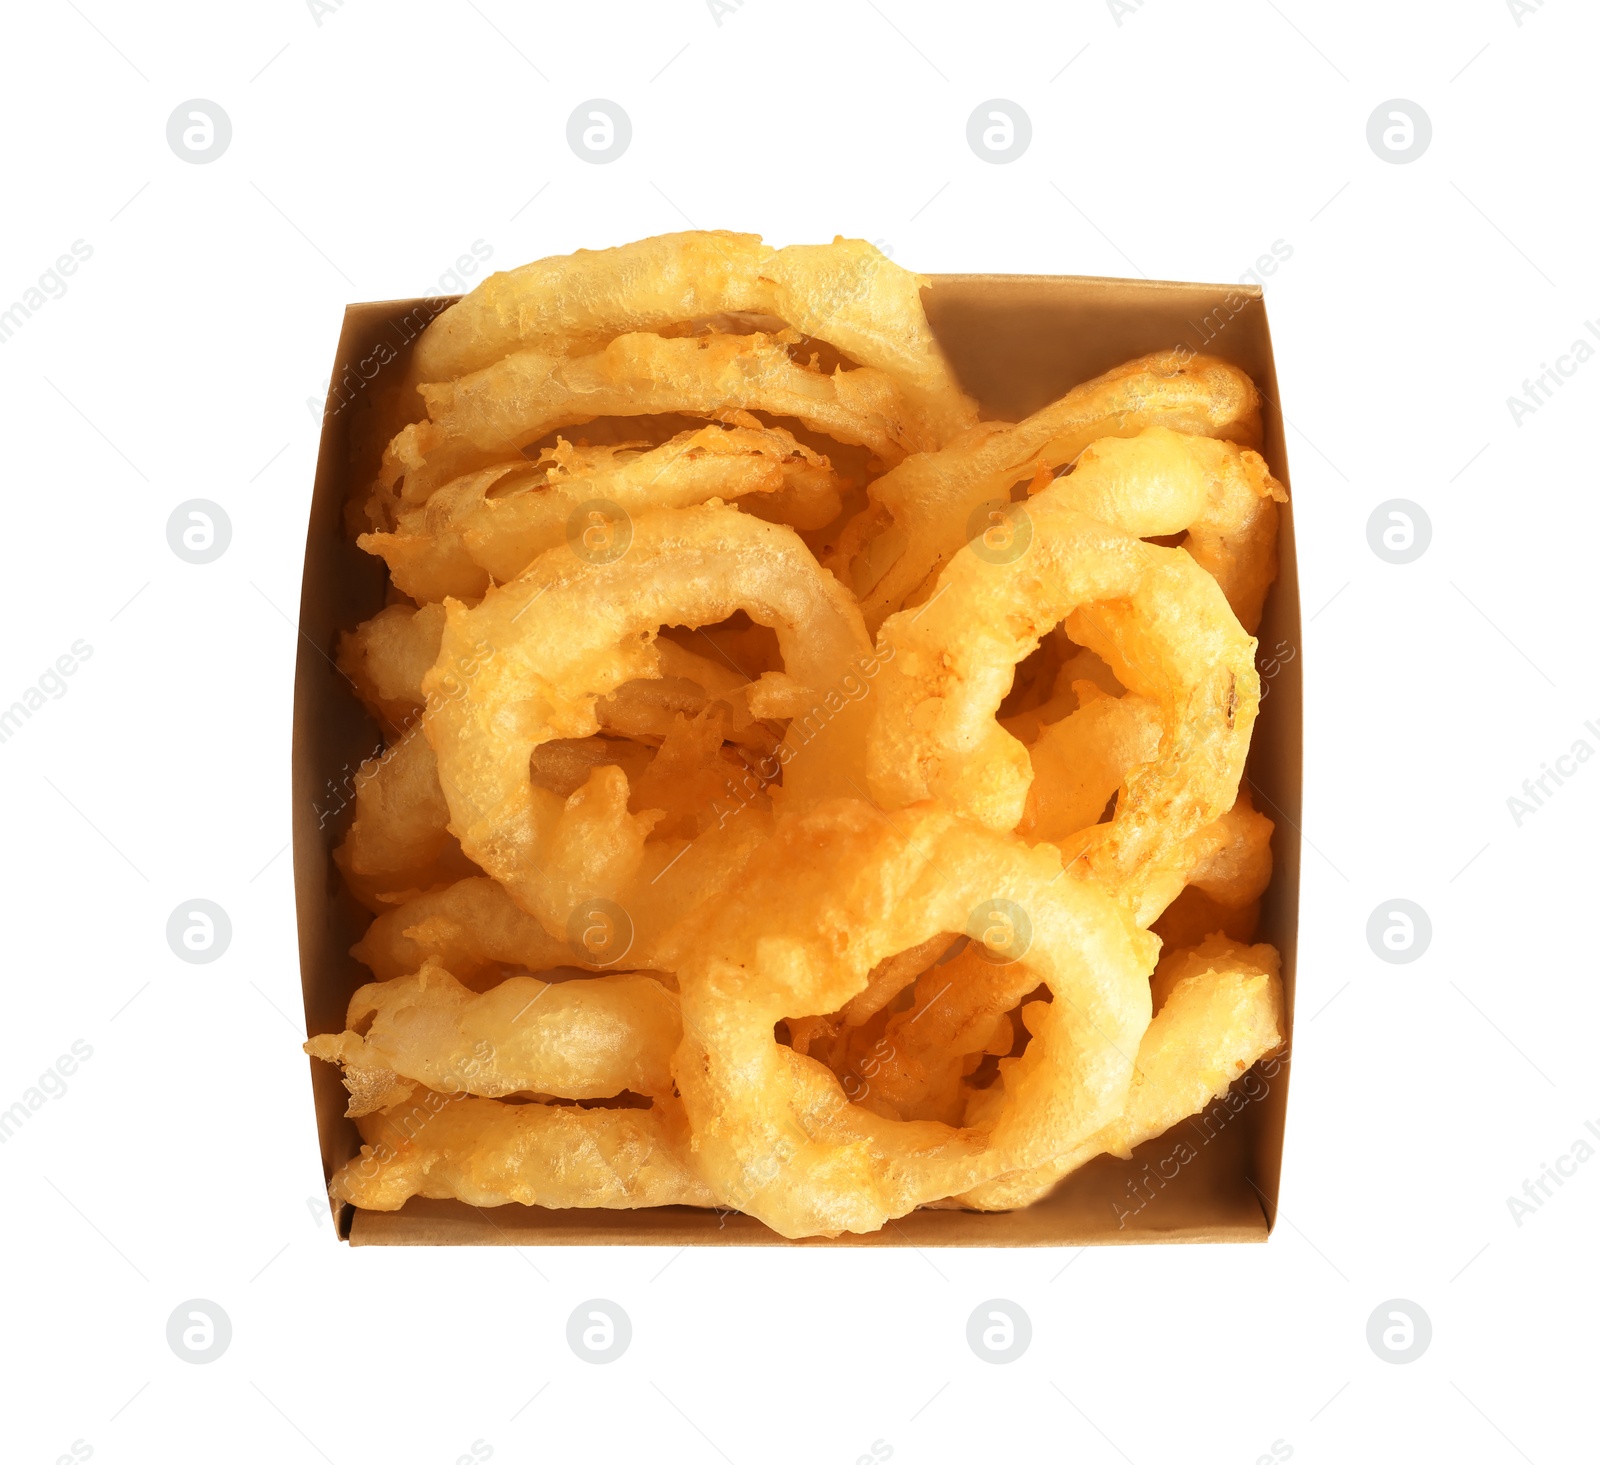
[474, 421]
[488, 526]
[920, 511]
[1219, 1007]
[1159, 621]
[567, 632]
[846, 293]
[588, 1038]
[825, 900]
[488, 1152]
[1220, 497]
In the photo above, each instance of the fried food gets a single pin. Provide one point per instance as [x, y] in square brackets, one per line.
[689, 685]
[400, 843]
[587, 1038]
[488, 1152]
[488, 526]
[385, 659]
[568, 631]
[831, 895]
[1220, 497]
[1219, 1008]
[789, 782]
[1151, 613]
[1229, 862]
[920, 512]
[1079, 763]
[959, 1011]
[471, 927]
[475, 421]
[846, 293]
[476, 929]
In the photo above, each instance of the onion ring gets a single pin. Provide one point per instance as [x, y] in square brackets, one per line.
[1219, 1009]
[1221, 497]
[463, 539]
[568, 631]
[830, 896]
[689, 684]
[476, 420]
[1074, 664]
[385, 659]
[959, 1008]
[474, 927]
[1152, 613]
[920, 510]
[399, 842]
[471, 927]
[488, 1153]
[846, 293]
[589, 1038]
[959, 1011]
[1223, 872]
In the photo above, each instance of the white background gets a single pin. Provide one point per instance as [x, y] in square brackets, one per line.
[369, 152]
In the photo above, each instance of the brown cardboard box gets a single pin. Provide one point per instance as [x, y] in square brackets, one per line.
[1017, 342]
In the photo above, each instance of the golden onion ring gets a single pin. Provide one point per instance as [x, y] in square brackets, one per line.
[488, 526]
[920, 511]
[481, 419]
[487, 1152]
[846, 293]
[1157, 619]
[1219, 1008]
[568, 631]
[587, 1038]
[831, 895]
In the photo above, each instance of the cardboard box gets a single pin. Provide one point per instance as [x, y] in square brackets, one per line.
[1017, 342]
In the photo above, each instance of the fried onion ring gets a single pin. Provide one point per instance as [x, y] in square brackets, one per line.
[958, 1012]
[478, 420]
[470, 927]
[1222, 498]
[830, 896]
[920, 511]
[488, 526]
[487, 1152]
[589, 1038]
[385, 658]
[1223, 871]
[1152, 613]
[567, 632]
[690, 684]
[846, 293]
[474, 927]
[399, 843]
[1219, 1008]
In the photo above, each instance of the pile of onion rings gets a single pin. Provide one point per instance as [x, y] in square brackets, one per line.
[797, 796]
